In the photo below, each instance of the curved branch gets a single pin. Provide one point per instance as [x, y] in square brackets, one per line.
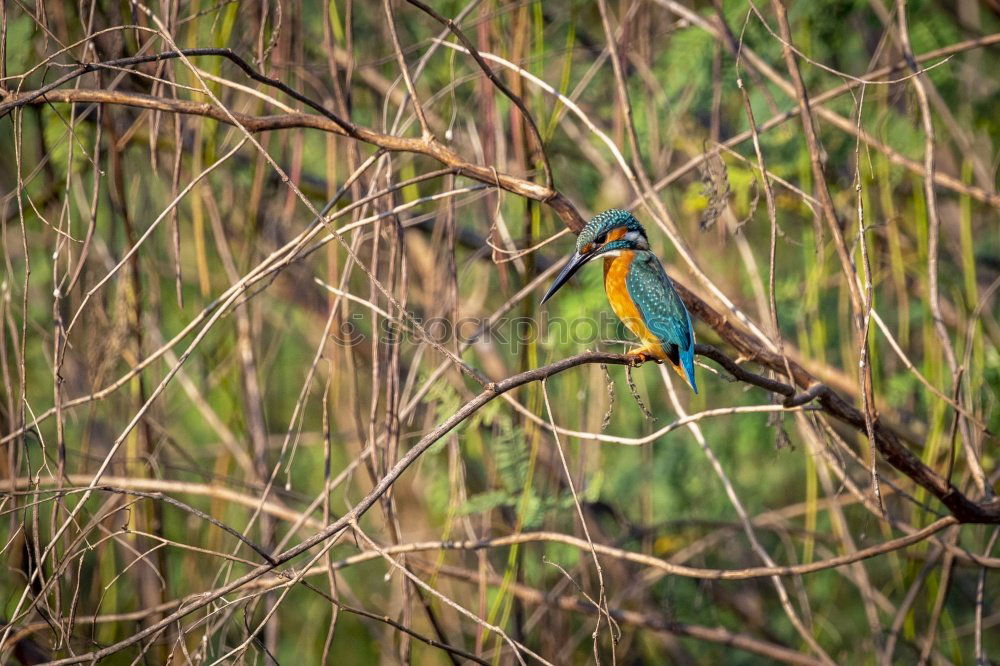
[888, 443]
[15, 101]
[488, 71]
[491, 392]
[964, 510]
[426, 146]
[555, 200]
[652, 622]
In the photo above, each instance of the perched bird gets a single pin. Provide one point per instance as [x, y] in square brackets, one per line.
[638, 289]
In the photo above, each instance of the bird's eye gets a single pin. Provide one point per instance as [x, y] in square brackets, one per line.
[601, 239]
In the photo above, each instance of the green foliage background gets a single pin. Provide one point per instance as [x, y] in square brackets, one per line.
[499, 472]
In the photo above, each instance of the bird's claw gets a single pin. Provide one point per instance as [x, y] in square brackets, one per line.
[635, 359]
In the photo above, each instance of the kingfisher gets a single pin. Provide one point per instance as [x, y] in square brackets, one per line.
[638, 288]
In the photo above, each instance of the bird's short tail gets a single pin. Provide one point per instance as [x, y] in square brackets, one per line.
[686, 369]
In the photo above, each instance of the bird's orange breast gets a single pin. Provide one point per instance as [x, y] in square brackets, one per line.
[615, 271]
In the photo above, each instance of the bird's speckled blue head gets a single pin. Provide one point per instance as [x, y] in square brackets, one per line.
[608, 233]
[594, 235]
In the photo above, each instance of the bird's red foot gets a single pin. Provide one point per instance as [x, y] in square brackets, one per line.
[637, 358]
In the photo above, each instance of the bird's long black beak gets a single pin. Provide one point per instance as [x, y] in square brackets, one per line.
[572, 266]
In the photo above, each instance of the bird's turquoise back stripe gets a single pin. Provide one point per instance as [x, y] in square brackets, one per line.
[662, 309]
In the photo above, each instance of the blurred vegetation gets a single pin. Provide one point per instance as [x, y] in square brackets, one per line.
[81, 184]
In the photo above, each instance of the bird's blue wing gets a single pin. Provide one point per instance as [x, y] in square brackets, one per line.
[663, 311]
